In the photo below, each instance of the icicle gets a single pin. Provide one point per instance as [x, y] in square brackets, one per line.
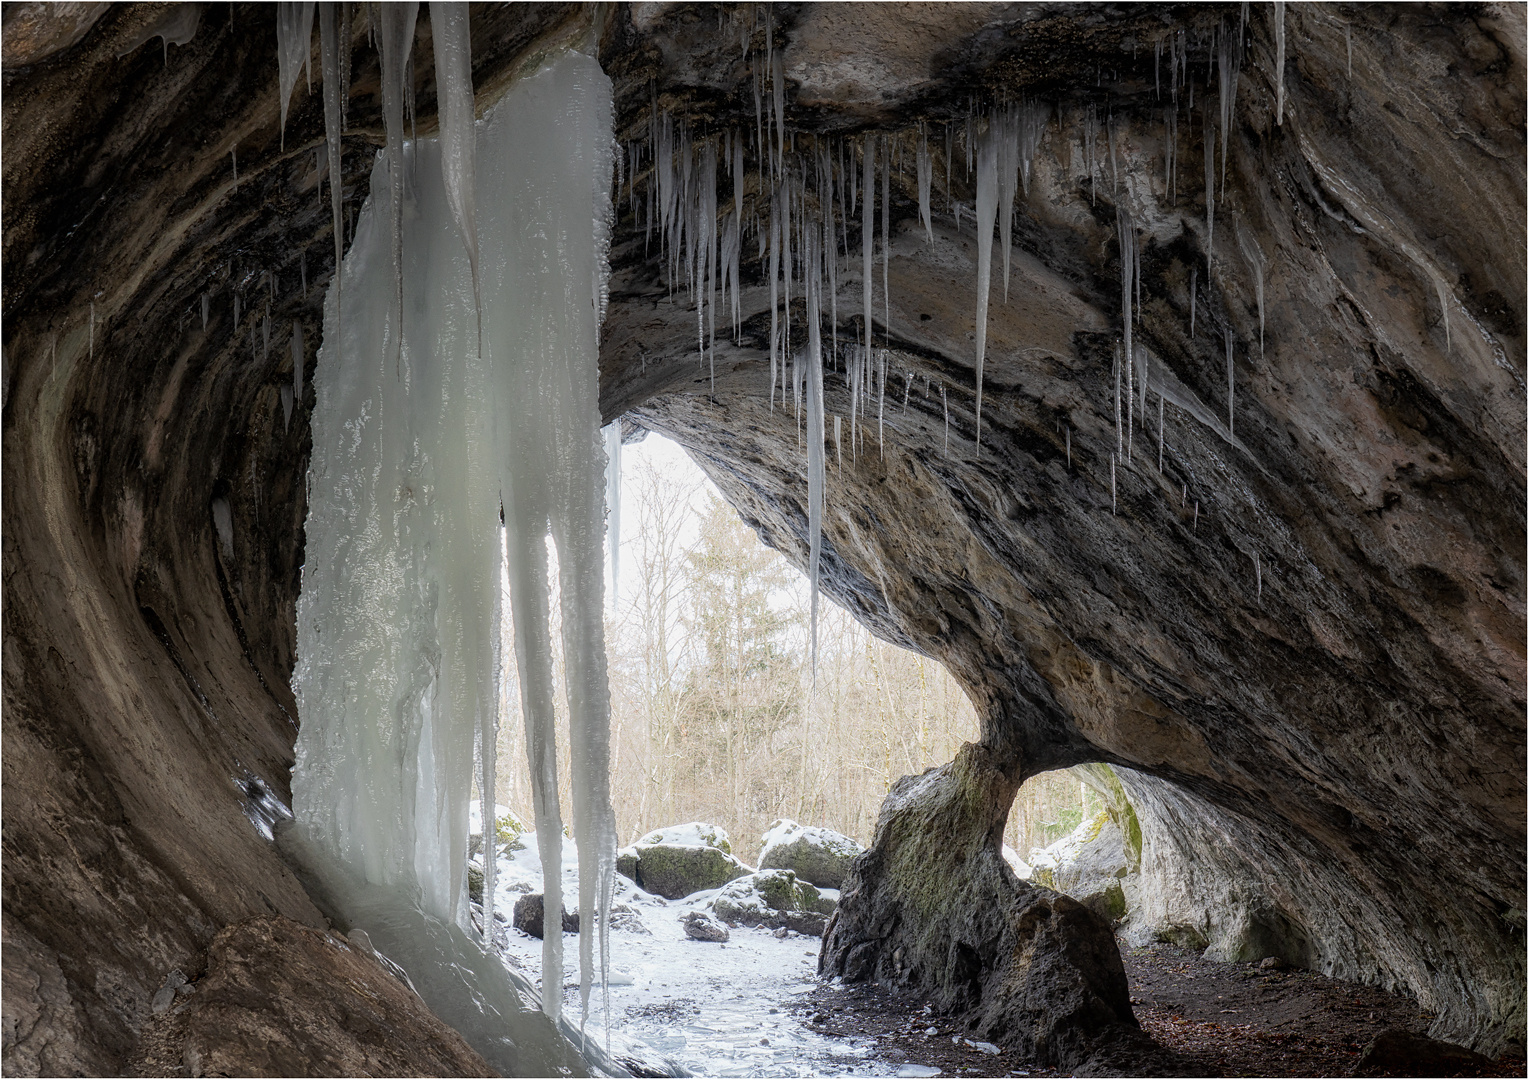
[1210, 194]
[867, 236]
[1120, 433]
[987, 212]
[286, 408]
[92, 330]
[1144, 368]
[838, 440]
[233, 153]
[1069, 446]
[454, 96]
[1109, 135]
[1126, 232]
[907, 388]
[945, 404]
[1258, 572]
[925, 176]
[1348, 45]
[774, 303]
[886, 243]
[397, 39]
[1226, 64]
[1194, 272]
[206, 310]
[814, 433]
[881, 402]
[294, 44]
[1230, 416]
[1279, 61]
[612, 436]
[1113, 506]
[1195, 527]
[299, 358]
[302, 270]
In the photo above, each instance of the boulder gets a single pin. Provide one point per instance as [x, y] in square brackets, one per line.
[774, 898]
[530, 916]
[1089, 864]
[680, 860]
[817, 855]
[700, 926]
[1399, 1052]
[691, 834]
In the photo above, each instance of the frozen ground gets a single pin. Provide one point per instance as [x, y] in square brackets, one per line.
[715, 1009]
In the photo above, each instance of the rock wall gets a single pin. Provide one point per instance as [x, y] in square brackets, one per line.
[1343, 716]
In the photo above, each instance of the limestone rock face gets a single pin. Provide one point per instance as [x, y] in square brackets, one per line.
[1301, 642]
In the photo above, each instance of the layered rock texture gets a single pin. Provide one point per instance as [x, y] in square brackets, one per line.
[1301, 646]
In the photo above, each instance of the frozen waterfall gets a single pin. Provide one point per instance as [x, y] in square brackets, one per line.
[420, 443]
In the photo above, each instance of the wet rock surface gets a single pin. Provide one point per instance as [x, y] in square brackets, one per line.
[281, 999]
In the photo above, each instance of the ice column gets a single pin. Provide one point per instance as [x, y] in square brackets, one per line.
[398, 617]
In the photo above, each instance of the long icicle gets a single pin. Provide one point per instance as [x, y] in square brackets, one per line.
[867, 233]
[987, 213]
[331, 46]
[454, 91]
[294, 45]
[397, 41]
[886, 243]
[814, 433]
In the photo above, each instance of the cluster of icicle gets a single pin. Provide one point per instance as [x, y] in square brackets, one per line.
[457, 381]
[811, 196]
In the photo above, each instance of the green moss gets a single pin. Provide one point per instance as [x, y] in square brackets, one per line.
[676, 872]
[474, 884]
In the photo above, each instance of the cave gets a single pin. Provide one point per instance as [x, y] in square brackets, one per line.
[1284, 600]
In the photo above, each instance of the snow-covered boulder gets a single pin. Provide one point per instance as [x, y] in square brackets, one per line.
[691, 834]
[817, 855]
[700, 926]
[774, 898]
[677, 861]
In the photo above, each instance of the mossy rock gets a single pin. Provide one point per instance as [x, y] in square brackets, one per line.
[626, 863]
[815, 854]
[508, 830]
[1108, 902]
[773, 898]
[474, 884]
[676, 871]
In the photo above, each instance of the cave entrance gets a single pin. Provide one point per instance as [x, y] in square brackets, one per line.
[715, 712]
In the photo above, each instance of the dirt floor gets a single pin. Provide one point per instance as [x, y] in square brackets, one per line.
[1226, 1019]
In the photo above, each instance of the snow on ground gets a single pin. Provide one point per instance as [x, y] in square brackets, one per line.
[715, 1009]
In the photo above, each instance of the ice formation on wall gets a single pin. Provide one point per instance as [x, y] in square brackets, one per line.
[294, 42]
[419, 439]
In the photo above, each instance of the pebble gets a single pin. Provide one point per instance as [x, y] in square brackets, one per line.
[164, 997]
